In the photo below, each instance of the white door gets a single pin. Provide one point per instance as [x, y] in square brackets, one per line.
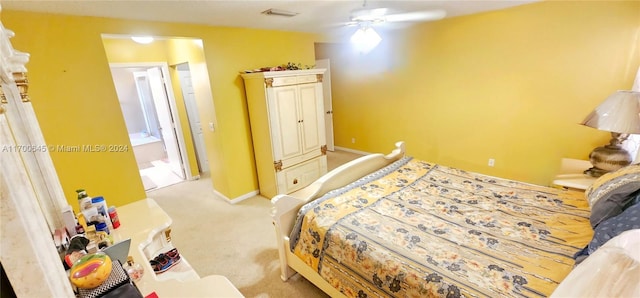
[328, 107]
[285, 122]
[194, 119]
[311, 111]
[165, 118]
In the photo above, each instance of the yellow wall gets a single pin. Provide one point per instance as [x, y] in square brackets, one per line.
[511, 85]
[76, 103]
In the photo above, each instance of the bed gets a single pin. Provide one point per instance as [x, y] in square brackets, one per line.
[394, 226]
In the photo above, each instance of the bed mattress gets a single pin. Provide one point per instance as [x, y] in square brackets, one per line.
[417, 229]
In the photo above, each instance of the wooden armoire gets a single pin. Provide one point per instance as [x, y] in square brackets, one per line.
[286, 112]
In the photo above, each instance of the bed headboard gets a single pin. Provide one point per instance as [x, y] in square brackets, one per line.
[352, 171]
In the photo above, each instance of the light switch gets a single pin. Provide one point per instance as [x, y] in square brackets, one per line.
[211, 128]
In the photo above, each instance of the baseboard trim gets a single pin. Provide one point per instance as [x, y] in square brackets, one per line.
[352, 150]
[238, 199]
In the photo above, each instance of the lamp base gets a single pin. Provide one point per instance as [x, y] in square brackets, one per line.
[595, 172]
[608, 158]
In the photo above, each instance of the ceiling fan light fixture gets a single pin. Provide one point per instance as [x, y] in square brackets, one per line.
[365, 39]
[142, 39]
[280, 12]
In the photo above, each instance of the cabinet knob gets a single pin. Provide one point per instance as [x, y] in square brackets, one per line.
[295, 181]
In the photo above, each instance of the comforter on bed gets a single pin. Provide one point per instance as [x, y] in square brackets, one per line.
[416, 229]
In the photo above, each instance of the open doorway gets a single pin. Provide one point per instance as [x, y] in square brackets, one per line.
[180, 64]
[148, 107]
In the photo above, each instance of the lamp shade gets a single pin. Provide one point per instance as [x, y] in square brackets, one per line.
[619, 113]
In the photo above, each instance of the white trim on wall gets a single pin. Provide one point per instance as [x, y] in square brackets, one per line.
[238, 199]
[352, 150]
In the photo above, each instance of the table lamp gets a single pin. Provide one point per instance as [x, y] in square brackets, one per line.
[620, 115]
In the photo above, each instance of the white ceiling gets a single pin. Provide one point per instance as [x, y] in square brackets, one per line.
[318, 16]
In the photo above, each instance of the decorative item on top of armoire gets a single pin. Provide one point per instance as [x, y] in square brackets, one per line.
[283, 67]
[286, 111]
[620, 115]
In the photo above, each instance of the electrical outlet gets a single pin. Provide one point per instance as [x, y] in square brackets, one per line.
[492, 162]
[211, 127]
[353, 140]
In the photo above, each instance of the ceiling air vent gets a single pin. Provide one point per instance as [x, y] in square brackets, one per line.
[279, 12]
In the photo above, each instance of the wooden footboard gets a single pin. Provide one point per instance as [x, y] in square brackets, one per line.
[285, 208]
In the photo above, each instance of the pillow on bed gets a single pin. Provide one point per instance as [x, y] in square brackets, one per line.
[629, 219]
[611, 192]
[612, 271]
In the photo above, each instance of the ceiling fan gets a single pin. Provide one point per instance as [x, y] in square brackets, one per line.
[365, 38]
[365, 16]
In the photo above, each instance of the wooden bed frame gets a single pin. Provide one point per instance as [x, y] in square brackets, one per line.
[285, 210]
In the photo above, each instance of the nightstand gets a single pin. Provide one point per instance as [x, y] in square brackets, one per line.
[571, 175]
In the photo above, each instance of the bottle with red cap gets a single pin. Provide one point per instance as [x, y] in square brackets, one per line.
[113, 215]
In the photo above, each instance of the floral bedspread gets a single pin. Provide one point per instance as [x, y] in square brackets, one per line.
[416, 229]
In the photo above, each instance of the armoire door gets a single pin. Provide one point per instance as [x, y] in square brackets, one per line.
[312, 114]
[285, 122]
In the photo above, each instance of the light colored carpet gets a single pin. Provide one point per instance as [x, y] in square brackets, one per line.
[237, 241]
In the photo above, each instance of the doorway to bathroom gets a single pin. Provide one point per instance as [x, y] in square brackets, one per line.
[149, 110]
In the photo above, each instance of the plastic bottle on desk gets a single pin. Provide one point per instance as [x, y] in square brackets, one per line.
[101, 204]
[84, 200]
[102, 226]
[113, 215]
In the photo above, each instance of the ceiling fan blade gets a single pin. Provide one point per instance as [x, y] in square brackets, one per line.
[367, 15]
[427, 15]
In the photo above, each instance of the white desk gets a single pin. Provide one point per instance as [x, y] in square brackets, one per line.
[147, 224]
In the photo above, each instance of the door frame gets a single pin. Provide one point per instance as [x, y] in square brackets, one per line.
[328, 102]
[164, 68]
[191, 106]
